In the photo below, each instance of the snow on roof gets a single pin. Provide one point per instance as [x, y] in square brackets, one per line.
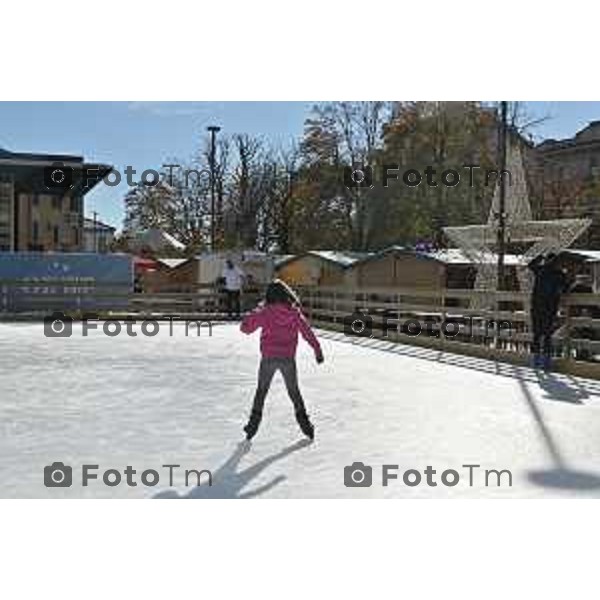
[281, 259]
[172, 241]
[449, 256]
[344, 259]
[589, 255]
[455, 256]
[339, 257]
[172, 263]
[367, 256]
[97, 225]
[157, 239]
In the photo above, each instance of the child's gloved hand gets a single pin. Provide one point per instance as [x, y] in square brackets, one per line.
[320, 358]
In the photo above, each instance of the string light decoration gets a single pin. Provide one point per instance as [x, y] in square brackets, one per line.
[545, 237]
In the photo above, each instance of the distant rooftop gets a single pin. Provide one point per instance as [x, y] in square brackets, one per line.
[588, 255]
[30, 167]
[455, 256]
[588, 135]
[340, 257]
[448, 256]
[6, 156]
[97, 225]
[156, 240]
[172, 263]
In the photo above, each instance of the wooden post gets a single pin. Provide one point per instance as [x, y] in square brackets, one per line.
[567, 345]
[334, 306]
[442, 319]
[501, 234]
[397, 317]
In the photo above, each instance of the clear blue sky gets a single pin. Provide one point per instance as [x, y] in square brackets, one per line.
[149, 134]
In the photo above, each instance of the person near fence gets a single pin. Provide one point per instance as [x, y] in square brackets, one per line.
[233, 278]
[280, 319]
[583, 284]
[550, 282]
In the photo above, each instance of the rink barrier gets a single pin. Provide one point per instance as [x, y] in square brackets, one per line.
[576, 341]
[481, 332]
[36, 299]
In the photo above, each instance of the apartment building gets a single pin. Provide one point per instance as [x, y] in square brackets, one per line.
[41, 201]
[97, 236]
[570, 179]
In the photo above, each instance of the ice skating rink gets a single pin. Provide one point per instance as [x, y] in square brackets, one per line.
[145, 402]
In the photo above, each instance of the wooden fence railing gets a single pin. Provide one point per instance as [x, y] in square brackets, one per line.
[37, 298]
[498, 328]
[462, 321]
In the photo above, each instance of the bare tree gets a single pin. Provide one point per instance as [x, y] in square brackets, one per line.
[246, 191]
[345, 134]
[277, 219]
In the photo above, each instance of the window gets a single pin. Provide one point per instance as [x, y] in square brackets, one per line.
[6, 208]
[35, 233]
[56, 235]
[594, 167]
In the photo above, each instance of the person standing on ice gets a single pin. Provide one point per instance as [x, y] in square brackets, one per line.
[280, 319]
[234, 278]
[549, 284]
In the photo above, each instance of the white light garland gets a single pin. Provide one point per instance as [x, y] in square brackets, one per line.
[477, 241]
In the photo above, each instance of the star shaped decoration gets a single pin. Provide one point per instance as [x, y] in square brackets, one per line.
[477, 241]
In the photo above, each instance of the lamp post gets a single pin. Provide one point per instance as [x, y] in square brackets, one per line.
[213, 129]
[502, 195]
[95, 233]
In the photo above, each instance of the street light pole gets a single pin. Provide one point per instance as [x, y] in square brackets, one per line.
[501, 242]
[214, 129]
[95, 233]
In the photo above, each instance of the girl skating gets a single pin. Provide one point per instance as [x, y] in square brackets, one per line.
[280, 320]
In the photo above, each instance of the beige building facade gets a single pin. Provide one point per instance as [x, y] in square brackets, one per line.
[41, 201]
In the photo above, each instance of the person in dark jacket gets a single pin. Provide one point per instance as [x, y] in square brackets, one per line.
[550, 282]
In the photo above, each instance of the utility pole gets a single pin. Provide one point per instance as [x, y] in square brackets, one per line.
[214, 129]
[284, 224]
[501, 242]
[95, 233]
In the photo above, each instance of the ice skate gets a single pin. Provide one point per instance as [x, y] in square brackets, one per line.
[305, 425]
[252, 426]
[536, 361]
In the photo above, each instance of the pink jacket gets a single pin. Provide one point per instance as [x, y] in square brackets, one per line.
[280, 326]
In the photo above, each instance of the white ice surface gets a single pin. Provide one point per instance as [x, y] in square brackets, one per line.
[146, 402]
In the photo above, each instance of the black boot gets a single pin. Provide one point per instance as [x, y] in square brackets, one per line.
[252, 427]
[305, 425]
